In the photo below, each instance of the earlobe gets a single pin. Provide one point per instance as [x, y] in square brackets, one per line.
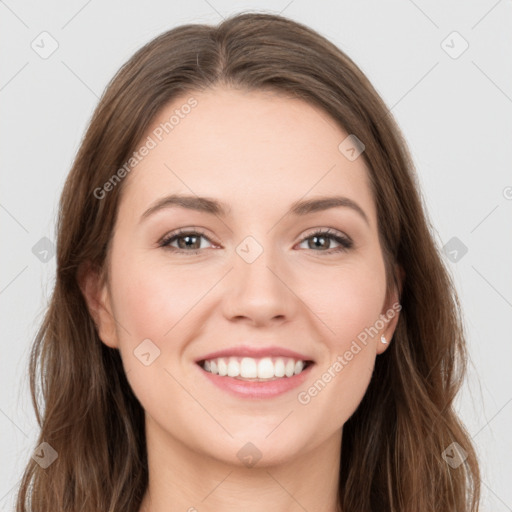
[386, 336]
[96, 294]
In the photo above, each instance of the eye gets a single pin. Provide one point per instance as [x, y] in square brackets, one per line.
[188, 241]
[323, 239]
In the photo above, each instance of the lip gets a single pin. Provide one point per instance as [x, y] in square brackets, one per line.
[256, 352]
[248, 389]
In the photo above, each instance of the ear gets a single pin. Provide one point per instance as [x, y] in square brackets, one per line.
[97, 296]
[391, 310]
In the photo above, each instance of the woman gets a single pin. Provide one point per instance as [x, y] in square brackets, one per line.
[250, 311]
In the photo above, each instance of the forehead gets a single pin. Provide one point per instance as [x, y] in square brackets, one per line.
[248, 149]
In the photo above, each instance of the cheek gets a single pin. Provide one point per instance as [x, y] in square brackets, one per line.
[153, 298]
[348, 300]
[154, 302]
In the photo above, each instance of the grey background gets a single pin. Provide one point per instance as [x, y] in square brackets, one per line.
[455, 111]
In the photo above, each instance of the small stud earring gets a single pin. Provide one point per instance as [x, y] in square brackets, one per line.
[383, 339]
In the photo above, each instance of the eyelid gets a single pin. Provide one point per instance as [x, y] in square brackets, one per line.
[329, 231]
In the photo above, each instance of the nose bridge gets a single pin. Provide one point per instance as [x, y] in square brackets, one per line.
[257, 290]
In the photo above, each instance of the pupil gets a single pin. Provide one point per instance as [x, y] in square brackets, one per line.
[316, 238]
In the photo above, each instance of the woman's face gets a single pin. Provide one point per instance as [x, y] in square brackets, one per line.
[249, 273]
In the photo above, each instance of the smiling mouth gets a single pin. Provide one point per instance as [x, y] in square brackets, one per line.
[255, 369]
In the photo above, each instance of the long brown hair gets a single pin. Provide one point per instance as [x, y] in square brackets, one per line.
[393, 448]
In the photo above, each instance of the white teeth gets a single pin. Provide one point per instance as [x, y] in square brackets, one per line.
[289, 369]
[258, 369]
[222, 367]
[233, 367]
[279, 367]
[249, 368]
[265, 368]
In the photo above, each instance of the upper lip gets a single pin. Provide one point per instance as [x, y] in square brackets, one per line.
[255, 352]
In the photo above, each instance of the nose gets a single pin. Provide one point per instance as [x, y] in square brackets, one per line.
[259, 292]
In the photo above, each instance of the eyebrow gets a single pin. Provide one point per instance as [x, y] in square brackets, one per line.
[214, 207]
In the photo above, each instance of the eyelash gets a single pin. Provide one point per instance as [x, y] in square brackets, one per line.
[345, 242]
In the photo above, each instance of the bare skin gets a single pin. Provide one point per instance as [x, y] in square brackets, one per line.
[257, 152]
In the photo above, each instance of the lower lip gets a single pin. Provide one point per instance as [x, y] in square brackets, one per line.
[248, 389]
